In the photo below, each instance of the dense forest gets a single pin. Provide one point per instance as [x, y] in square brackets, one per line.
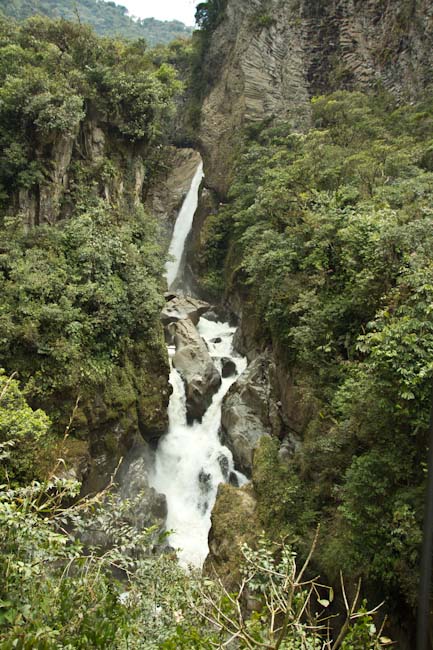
[322, 249]
[329, 233]
[106, 18]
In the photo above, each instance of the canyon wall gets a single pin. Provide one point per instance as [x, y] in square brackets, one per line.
[268, 57]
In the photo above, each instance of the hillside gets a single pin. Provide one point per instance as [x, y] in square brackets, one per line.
[216, 333]
[106, 18]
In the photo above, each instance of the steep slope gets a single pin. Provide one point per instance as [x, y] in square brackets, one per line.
[267, 58]
[314, 229]
[82, 126]
[106, 18]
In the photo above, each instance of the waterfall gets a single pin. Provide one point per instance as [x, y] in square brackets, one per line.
[182, 227]
[190, 460]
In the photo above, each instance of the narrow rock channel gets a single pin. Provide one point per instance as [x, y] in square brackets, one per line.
[190, 460]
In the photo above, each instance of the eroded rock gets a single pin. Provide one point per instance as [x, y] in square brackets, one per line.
[150, 508]
[182, 307]
[132, 502]
[228, 367]
[196, 367]
[249, 412]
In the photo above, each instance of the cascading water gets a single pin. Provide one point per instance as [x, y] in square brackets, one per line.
[191, 461]
[182, 227]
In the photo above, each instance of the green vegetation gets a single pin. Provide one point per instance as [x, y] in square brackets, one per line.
[54, 592]
[80, 290]
[57, 594]
[330, 232]
[106, 18]
[209, 14]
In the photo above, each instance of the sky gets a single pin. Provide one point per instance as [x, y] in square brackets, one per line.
[183, 10]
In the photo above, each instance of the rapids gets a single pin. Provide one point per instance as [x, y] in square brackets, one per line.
[190, 460]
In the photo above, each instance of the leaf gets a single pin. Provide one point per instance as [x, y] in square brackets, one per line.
[324, 602]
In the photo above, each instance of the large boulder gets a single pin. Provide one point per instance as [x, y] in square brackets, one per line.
[198, 371]
[228, 367]
[181, 307]
[234, 522]
[249, 412]
[148, 507]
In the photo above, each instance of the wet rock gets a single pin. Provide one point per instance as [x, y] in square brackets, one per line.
[134, 503]
[167, 194]
[234, 522]
[249, 412]
[228, 367]
[182, 307]
[217, 339]
[192, 360]
[148, 507]
[233, 479]
[224, 464]
[205, 481]
[212, 316]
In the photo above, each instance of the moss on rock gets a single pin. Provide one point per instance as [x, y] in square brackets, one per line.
[234, 522]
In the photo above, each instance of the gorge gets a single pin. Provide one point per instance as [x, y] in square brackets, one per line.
[215, 329]
[190, 460]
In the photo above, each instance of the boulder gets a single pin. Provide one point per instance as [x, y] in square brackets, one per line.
[148, 507]
[181, 307]
[249, 412]
[228, 367]
[198, 371]
[234, 522]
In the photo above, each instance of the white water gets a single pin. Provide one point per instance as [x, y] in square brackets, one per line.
[190, 460]
[182, 227]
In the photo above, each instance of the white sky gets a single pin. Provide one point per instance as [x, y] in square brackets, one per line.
[183, 10]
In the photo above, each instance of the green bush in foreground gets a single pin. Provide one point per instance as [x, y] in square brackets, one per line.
[58, 594]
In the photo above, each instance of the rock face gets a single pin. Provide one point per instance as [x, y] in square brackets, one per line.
[132, 502]
[266, 60]
[234, 522]
[133, 400]
[180, 307]
[250, 411]
[130, 407]
[228, 367]
[196, 367]
[149, 508]
[168, 193]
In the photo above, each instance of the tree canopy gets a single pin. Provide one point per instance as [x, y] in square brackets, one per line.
[106, 18]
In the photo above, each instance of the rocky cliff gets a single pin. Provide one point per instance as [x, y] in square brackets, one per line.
[268, 57]
[265, 61]
[133, 400]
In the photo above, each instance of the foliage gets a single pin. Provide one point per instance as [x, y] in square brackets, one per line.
[330, 234]
[74, 293]
[280, 493]
[23, 434]
[82, 288]
[100, 585]
[78, 602]
[278, 607]
[106, 18]
[52, 73]
[209, 14]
